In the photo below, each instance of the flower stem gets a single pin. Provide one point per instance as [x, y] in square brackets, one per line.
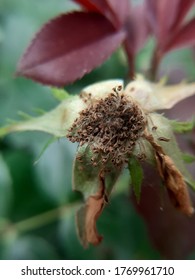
[156, 59]
[40, 220]
[130, 59]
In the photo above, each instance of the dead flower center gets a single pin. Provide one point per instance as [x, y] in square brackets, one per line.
[110, 127]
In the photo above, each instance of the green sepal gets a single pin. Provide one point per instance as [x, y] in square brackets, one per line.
[47, 144]
[188, 158]
[86, 181]
[60, 94]
[55, 122]
[136, 173]
[183, 127]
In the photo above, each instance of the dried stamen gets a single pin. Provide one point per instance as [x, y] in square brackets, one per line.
[110, 127]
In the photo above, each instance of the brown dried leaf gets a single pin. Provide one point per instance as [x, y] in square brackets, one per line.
[173, 179]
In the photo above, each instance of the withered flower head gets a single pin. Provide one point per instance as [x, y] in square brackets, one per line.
[110, 127]
[114, 126]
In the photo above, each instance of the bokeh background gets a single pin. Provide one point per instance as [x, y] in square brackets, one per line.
[37, 204]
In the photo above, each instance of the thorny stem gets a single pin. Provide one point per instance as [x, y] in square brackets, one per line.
[39, 220]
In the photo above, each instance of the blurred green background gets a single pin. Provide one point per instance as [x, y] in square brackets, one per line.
[37, 204]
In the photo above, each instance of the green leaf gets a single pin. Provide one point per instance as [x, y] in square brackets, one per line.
[49, 142]
[5, 188]
[136, 173]
[182, 127]
[188, 158]
[190, 182]
[29, 248]
[60, 94]
[56, 122]
[85, 175]
[24, 115]
[39, 111]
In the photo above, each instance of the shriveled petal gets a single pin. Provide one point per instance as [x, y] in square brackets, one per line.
[173, 179]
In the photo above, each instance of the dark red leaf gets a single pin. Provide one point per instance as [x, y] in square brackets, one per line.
[185, 37]
[90, 5]
[68, 47]
[120, 10]
[184, 7]
[115, 11]
[166, 16]
[152, 15]
[137, 29]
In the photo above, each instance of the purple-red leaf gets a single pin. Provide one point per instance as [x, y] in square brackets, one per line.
[152, 15]
[137, 29]
[92, 5]
[89, 5]
[165, 17]
[68, 47]
[185, 37]
[120, 10]
[115, 11]
[184, 7]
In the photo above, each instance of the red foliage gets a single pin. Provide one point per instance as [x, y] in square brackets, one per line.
[68, 47]
[114, 10]
[166, 19]
[71, 45]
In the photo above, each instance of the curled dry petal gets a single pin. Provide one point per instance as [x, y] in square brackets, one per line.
[94, 207]
[173, 179]
[175, 183]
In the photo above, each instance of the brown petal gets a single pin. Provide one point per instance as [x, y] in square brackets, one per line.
[94, 207]
[175, 183]
[87, 216]
[172, 177]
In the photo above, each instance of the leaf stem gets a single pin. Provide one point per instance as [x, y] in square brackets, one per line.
[130, 59]
[40, 220]
[155, 61]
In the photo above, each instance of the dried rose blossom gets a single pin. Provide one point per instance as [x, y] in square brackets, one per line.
[112, 124]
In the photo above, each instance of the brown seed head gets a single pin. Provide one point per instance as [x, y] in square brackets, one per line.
[110, 127]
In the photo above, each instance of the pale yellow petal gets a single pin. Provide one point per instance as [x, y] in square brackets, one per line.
[157, 96]
[101, 89]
